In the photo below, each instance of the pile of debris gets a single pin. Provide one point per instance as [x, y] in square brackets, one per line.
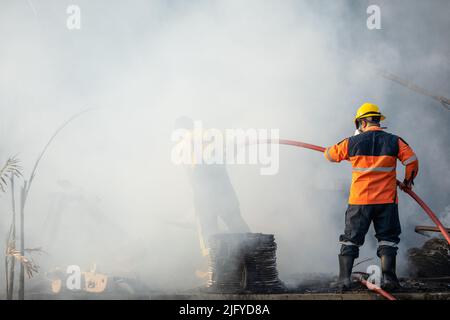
[430, 261]
[243, 262]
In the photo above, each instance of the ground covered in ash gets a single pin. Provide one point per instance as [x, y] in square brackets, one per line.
[320, 283]
[429, 268]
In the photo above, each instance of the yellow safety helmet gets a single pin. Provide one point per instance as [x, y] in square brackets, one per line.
[368, 110]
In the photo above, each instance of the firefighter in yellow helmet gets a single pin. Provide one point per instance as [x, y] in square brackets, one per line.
[373, 154]
[367, 110]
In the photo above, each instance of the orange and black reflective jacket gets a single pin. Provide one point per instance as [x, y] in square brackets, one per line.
[373, 155]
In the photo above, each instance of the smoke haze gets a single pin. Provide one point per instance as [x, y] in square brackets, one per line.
[106, 192]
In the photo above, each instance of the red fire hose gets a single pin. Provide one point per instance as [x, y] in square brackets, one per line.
[413, 195]
[430, 213]
[377, 289]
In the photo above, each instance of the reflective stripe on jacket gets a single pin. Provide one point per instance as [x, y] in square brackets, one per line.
[373, 155]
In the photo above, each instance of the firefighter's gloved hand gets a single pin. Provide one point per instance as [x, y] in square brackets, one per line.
[407, 185]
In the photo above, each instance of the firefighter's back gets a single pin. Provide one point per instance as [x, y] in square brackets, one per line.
[373, 155]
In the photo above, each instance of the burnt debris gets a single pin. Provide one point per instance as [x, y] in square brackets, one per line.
[430, 261]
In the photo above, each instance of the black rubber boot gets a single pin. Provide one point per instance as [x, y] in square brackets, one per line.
[389, 280]
[344, 281]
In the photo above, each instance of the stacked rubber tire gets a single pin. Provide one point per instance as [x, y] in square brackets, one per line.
[243, 262]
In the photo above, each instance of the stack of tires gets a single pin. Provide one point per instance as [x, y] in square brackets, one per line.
[243, 262]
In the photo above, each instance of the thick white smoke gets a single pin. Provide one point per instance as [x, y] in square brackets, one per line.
[107, 192]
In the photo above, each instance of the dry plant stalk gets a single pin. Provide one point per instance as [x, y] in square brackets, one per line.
[29, 265]
[9, 170]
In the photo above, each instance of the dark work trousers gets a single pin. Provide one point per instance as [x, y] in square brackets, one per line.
[357, 222]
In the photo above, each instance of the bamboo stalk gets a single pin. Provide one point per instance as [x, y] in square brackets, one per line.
[12, 240]
[10, 170]
[22, 241]
[6, 262]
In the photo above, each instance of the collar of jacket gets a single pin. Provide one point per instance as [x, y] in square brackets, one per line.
[373, 128]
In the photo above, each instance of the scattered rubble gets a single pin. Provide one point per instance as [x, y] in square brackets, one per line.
[430, 261]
